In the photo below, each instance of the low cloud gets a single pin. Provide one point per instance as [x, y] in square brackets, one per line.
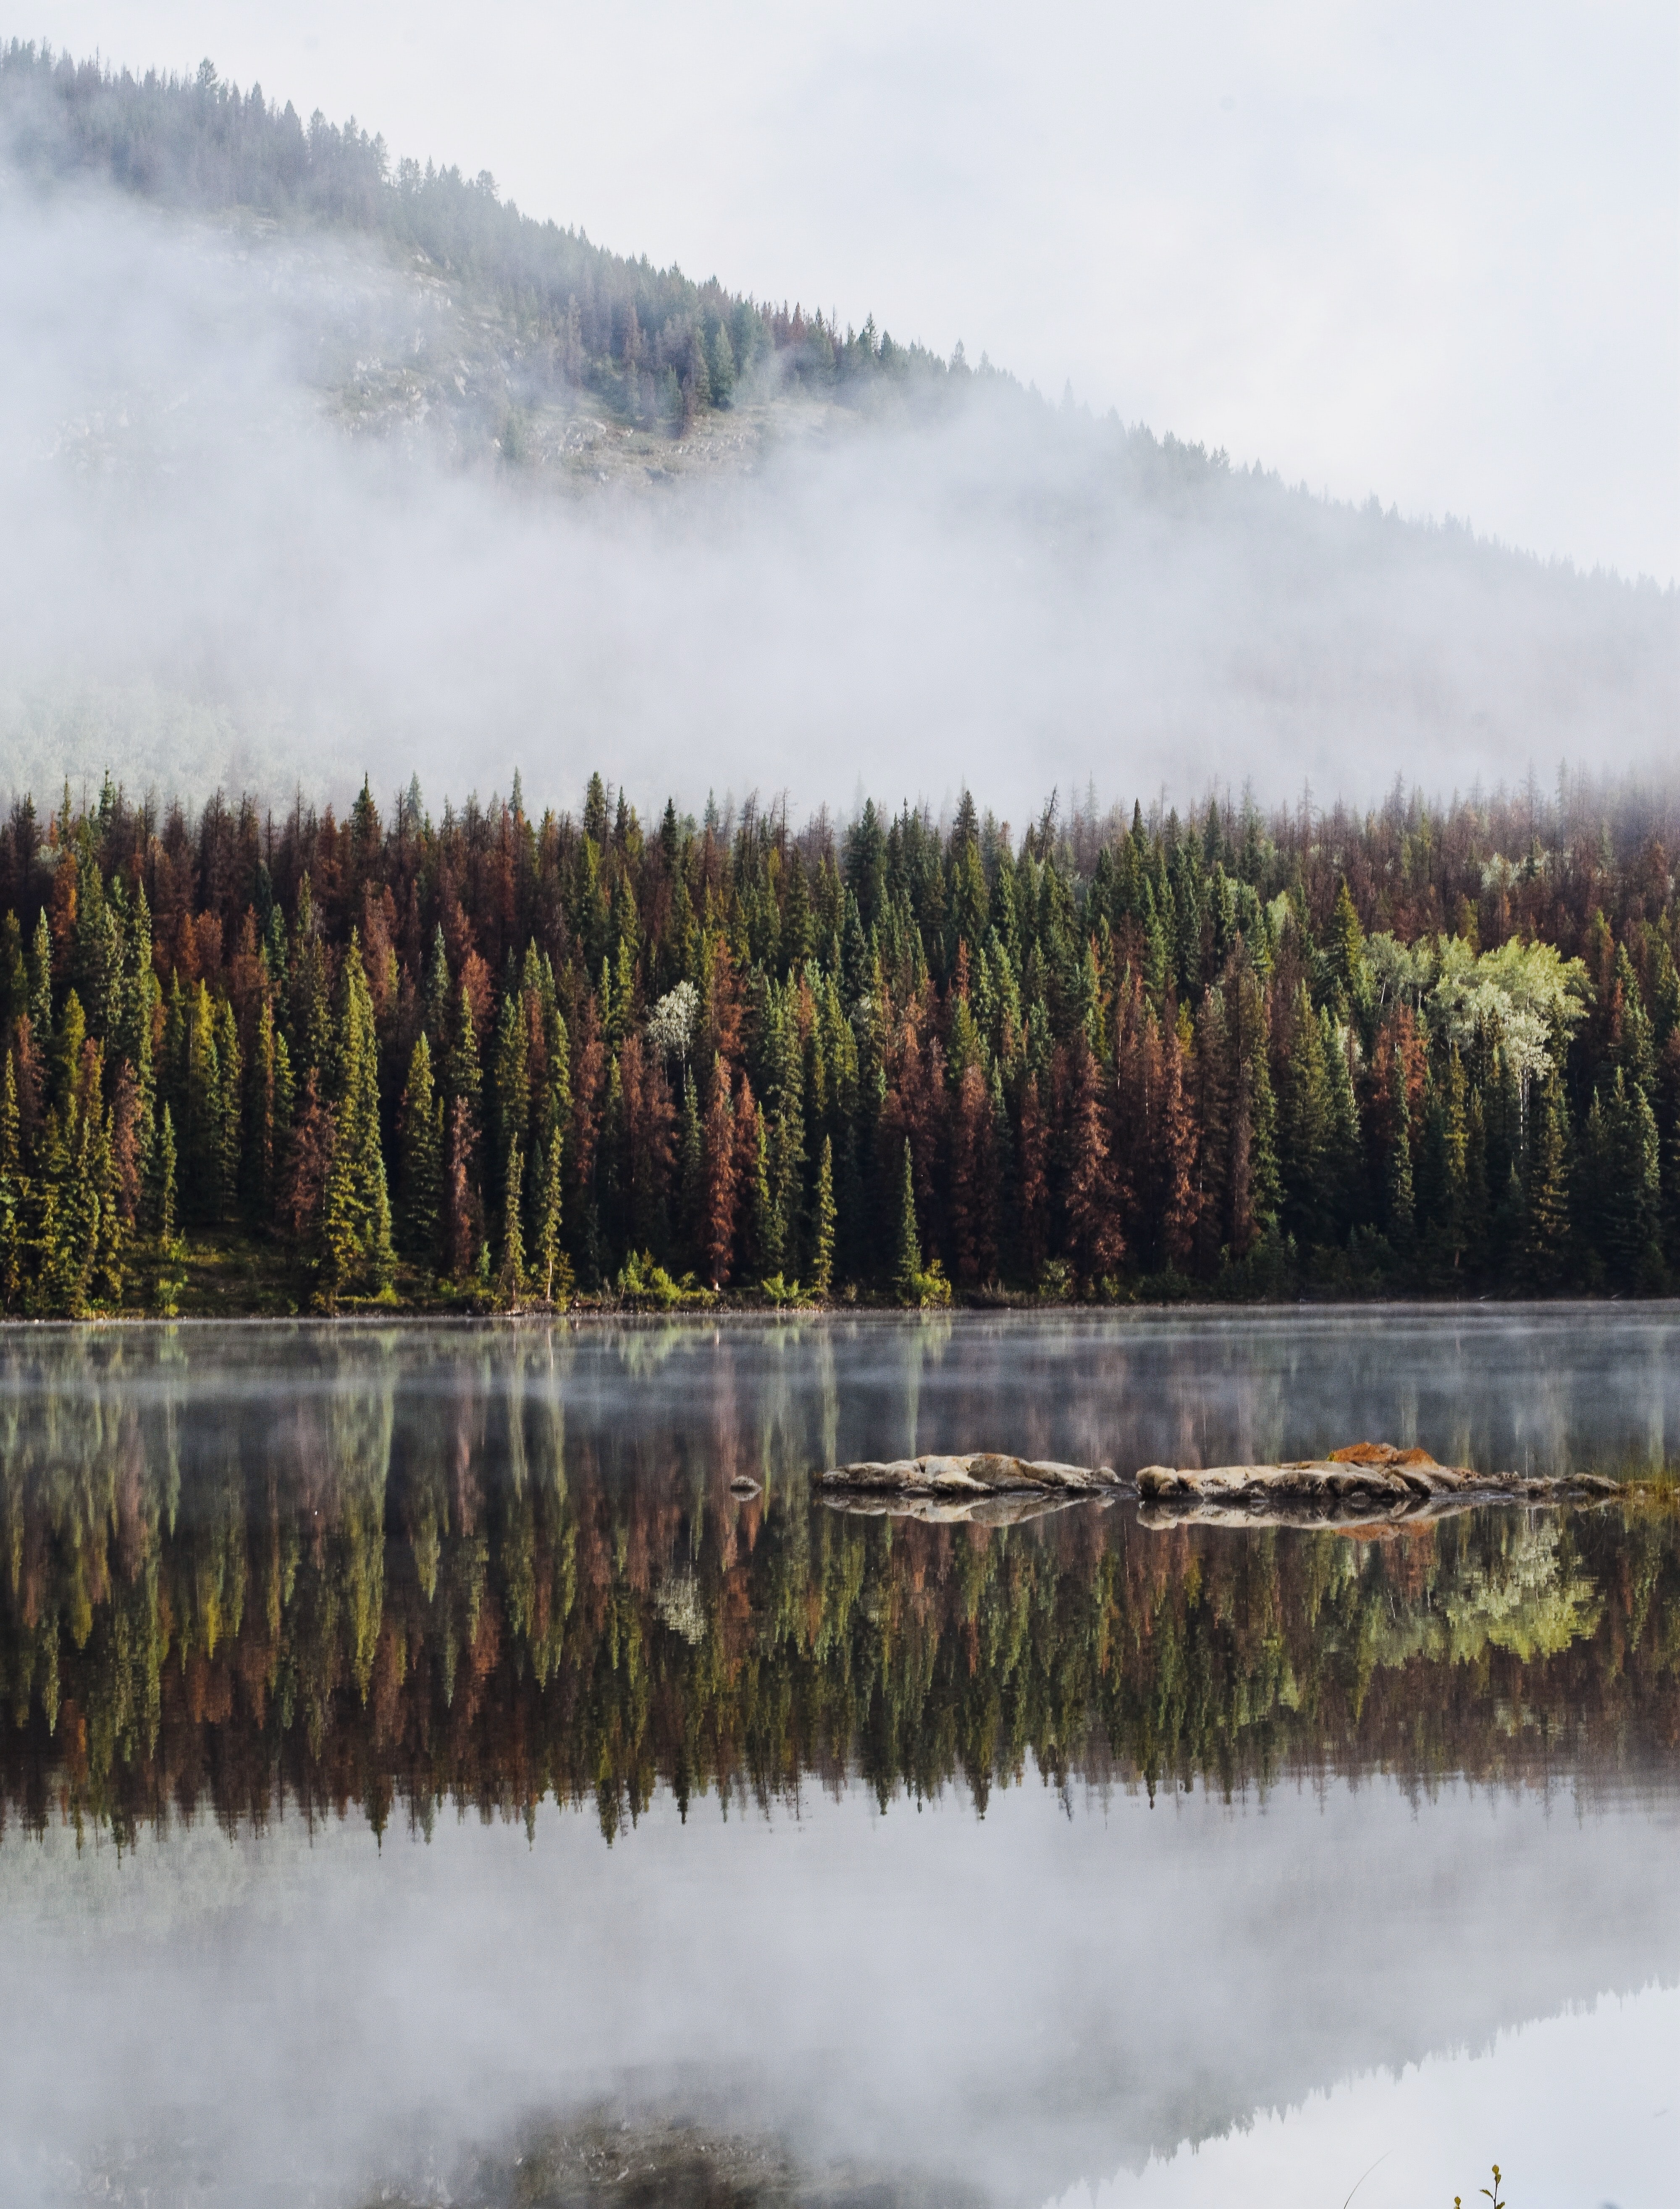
[211, 577]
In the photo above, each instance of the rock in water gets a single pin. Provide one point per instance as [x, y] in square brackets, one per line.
[1368, 1481]
[984, 1473]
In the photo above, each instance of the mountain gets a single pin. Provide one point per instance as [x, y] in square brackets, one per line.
[317, 466]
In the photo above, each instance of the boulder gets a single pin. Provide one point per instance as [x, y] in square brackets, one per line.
[985, 1473]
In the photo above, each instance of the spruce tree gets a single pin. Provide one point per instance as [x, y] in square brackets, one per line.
[823, 1240]
[691, 1170]
[1546, 1188]
[510, 1087]
[40, 979]
[510, 1278]
[229, 1127]
[422, 1156]
[11, 1189]
[1631, 1231]
[162, 1206]
[257, 1167]
[1401, 1216]
[548, 1233]
[201, 1122]
[907, 1248]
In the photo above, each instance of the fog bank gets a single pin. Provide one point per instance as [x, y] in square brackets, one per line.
[214, 577]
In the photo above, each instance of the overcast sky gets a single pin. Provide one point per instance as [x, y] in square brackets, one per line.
[1425, 251]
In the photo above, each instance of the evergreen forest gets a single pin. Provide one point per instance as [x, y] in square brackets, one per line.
[487, 1062]
[654, 346]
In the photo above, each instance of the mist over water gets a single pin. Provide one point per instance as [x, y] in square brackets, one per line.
[226, 564]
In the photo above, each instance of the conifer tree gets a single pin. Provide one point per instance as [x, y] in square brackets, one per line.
[907, 1248]
[1546, 1188]
[823, 1240]
[1344, 953]
[257, 1159]
[12, 1193]
[1632, 1227]
[692, 1169]
[548, 1233]
[510, 1088]
[1401, 1215]
[358, 1225]
[311, 1007]
[229, 1110]
[422, 1155]
[718, 1226]
[511, 1275]
[201, 1122]
[163, 1197]
[40, 978]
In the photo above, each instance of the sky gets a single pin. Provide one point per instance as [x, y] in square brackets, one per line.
[1424, 251]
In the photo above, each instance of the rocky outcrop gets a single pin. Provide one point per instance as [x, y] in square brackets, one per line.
[968, 1478]
[1370, 1483]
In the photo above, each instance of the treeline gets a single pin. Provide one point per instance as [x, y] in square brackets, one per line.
[499, 1058]
[335, 1607]
[649, 342]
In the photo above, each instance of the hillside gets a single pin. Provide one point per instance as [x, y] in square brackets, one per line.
[318, 467]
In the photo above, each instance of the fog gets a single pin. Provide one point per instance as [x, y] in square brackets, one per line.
[211, 575]
[294, 2017]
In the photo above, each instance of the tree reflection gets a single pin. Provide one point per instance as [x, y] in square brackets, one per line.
[395, 1598]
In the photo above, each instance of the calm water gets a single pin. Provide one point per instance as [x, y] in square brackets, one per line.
[422, 1780]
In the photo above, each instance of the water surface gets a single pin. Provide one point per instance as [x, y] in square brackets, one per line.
[416, 1755]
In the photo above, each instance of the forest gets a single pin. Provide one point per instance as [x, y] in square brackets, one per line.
[494, 1062]
[650, 343]
[397, 1598]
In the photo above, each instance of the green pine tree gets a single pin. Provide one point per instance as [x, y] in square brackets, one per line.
[12, 1192]
[511, 1276]
[907, 1249]
[548, 1233]
[823, 1257]
[1546, 1188]
[230, 1117]
[422, 1156]
[201, 1119]
[40, 979]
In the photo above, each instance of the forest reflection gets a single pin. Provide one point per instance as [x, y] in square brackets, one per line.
[396, 1582]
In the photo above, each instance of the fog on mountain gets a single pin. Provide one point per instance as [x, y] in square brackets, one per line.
[318, 468]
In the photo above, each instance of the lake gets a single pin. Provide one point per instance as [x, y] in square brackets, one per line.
[423, 1781]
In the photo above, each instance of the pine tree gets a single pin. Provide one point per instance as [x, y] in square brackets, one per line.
[163, 1198]
[718, 1229]
[907, 1248]
[257, 1159]
[510, 1279]
[1630, 1232]
[201, 1122]
[311, 1007]
[230, 1116]
[510, 1085]
[40, 978]
[1344, 953]
[691, 1169]
[12, 1192]
[422, 1156]
[358, 1216]
[1401, 1216]
[1546, 1188]
[822, 1257]
[548, 1236]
